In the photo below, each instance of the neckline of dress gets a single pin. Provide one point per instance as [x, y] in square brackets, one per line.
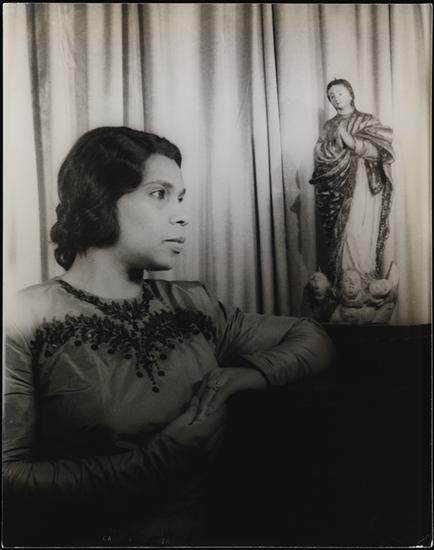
[94, 298]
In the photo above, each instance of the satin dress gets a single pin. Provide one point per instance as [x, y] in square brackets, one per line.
[91, 383]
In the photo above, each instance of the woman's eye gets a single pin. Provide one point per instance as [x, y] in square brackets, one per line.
[160, 194]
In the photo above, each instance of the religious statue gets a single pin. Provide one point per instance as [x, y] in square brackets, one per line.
[353, 190]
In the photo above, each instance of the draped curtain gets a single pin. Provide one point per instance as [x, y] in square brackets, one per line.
[240, 88]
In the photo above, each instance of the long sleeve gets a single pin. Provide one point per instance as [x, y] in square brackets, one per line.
[284, 349]
[142, 470]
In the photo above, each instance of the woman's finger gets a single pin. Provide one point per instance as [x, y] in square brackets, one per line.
[202, 394]
[219, 399]
[191, 412]
[207, 381]
[202, 388]
[207, 392]
[205, 402]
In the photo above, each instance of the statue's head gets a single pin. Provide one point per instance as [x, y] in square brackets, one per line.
[379, 288]
[340, 93]
[318, 285]
[351, 283]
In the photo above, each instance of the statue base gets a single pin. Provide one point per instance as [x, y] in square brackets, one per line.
[356, 300]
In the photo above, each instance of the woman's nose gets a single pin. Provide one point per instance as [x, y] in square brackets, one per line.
[179, 219]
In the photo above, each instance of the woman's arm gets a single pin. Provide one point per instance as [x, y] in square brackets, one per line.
[271, 350]
[284, 349]
[143, 470]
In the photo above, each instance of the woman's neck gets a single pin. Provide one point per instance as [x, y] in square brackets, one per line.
[98, 273]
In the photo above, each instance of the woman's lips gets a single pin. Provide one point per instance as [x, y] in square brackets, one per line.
[176, 244]
[180, 240]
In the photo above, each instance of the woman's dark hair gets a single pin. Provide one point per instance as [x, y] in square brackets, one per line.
[104, 164]
[341, 82]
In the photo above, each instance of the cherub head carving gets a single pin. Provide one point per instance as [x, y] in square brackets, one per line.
[318, 285]
[353, 286]
[379, 288]
[351, 283]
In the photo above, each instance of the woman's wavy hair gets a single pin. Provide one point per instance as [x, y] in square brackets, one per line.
[104, 164]
[341, 82]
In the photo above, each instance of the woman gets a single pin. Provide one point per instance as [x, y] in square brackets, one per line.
[353, 184]
[115, 386]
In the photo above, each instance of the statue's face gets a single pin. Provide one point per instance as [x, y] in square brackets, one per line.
[379, 288]
[319, 283]
[339, 96]
[351, 284]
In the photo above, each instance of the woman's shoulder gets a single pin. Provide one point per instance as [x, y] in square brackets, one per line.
[31, 295]
[37, 290]
[27, 306]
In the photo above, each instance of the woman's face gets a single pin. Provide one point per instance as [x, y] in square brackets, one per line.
[339, 96]
[152, 219]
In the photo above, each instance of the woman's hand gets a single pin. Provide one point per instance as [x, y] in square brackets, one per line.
[346, 138]
[192, 433]
[220, 383]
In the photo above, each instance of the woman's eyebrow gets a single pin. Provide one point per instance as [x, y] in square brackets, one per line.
[160, 182]
[166, 184]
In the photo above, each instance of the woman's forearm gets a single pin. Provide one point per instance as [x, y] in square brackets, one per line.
[138, 471]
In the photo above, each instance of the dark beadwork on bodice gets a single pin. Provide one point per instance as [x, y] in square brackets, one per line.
[126, 326]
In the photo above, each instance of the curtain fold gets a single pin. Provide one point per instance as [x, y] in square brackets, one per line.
[240, 88]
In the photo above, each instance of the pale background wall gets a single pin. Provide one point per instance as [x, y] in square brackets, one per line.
[241, 90]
